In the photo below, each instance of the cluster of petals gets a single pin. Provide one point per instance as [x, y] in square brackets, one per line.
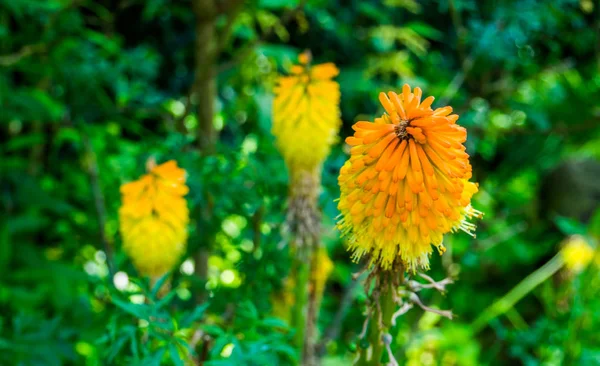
[306, 114]
[577, 253]
[153, 219]
[406, 183]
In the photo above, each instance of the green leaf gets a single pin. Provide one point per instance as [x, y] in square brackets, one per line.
[53, 108]
[281, 54]
[248, 310]
[594, 225]
[158, 285]
[5, 249]
[138, 310]
[569, 226]
[287, 350]
[213, 330]
[219, 344]
[133, 346]
[155, 358]
[116, 347]
[425, 30]
[174, 353]
[193, 316]
[274, 323]
[164, 324]
[183, 345]
[166, 300]
[24, 142]
[152, 8]
[277, 4]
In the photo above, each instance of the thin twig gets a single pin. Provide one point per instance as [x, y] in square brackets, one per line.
[415, 299]
[31, 49]
[25, 51]
[333, 330]
[204, 353]
[363, 332]
[466, 67]
[99, 201]
[403, 310]
[358, 274]
[196, 338]
[387, 341]
[458, 79]
[440, 286]
[231, 9]
[501, 237]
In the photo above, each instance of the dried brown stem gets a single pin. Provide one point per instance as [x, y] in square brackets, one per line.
[403, 310]
[412, 297]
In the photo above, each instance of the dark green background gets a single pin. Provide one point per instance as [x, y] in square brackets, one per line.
[90, 89]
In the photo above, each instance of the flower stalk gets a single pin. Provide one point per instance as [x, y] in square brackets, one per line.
[301, 275]
[504, 304]
[304, 220]
[383, 306]
[575, 255]
[405, 185]
[393, 294]
[306, 120]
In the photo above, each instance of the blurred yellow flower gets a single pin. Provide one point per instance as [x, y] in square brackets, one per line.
[406, 182]
[283, 300]
[577, 253]
[306, 114]
[321, 269]
[153, 219]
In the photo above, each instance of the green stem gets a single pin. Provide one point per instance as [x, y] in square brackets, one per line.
[524, 287]
[309, 351]
[304, 219]
[301, 276]
[382, 295]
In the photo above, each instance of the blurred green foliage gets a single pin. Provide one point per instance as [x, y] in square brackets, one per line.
[90, 89]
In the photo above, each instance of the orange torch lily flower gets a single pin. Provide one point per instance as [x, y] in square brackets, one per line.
[406, 183]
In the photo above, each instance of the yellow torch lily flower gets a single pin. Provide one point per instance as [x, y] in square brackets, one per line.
[306, 114]
[153, 219]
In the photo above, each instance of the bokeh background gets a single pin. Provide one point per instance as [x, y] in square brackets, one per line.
[89, 90]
